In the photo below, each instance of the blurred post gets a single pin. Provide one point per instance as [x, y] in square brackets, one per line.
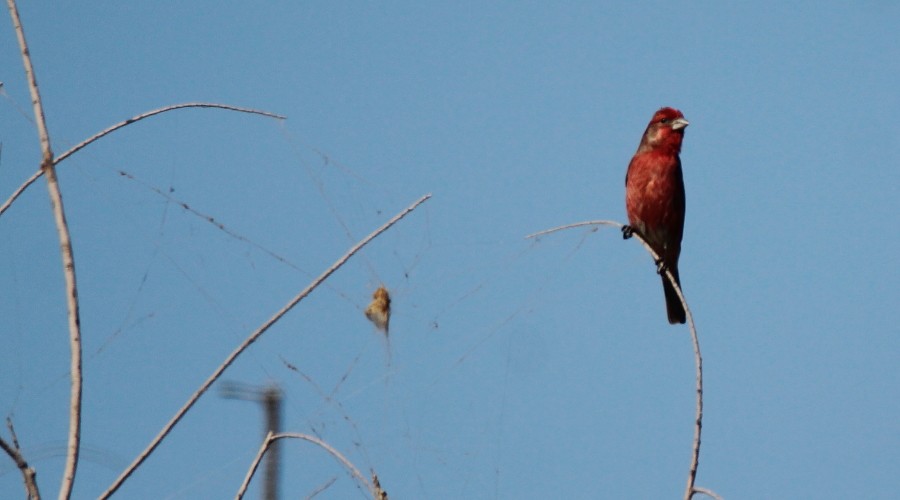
[270, 397]
[272, 404]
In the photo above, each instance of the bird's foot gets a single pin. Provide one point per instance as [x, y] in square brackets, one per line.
[627, 232]
[661, 267]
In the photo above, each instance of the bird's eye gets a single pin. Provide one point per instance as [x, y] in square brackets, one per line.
[665, 120]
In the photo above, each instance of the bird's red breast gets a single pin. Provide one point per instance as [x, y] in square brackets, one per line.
[654, 186]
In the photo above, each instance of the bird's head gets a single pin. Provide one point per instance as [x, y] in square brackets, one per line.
[665, 130]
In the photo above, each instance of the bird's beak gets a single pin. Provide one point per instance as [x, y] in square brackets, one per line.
[679, 123]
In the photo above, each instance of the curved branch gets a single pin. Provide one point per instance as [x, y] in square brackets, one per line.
[570, 226]
[121, 124]
[698, 359]
[271, 438]
[155, 112]
[710, 493]
[48, 167]
[21, 189]
[252, 338]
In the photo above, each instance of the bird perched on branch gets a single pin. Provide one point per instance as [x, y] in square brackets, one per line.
[654, 198]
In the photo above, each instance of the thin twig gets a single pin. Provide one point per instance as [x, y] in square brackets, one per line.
[271, 438]
[21, 189]
[570, 226]
[324, 486]
[68, 260]
[212, 220]
[698, 424]
[154, 112]
[252, 338]
[698, 359]
[707, 492]
[121, 124]
[12, 432]
[15, 453]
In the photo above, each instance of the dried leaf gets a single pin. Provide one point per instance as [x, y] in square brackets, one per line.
[379, 311]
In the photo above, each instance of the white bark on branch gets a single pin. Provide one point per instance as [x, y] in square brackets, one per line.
[272, 437]
[65, 243]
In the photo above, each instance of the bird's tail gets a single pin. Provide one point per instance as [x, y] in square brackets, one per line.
[673, 303]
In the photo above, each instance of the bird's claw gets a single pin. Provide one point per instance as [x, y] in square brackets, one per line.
[627, 232]
[661, 267]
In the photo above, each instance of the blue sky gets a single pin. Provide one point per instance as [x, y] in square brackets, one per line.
[516, 369]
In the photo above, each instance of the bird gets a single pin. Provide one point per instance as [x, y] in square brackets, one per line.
[655, 201]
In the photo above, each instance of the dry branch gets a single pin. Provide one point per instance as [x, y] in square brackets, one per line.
[271, 438]
[65, 243]
[48, 170]
[254, 465]
[710, 493]
[28, 473]
[21, 189]
[698, 359]
[252, 338]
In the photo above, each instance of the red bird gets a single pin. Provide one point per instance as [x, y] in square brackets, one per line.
[654, 197]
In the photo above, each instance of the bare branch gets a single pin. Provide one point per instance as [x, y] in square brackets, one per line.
[15, 453]
[210, 219]
[707, 492]
[121, 124]
[252, 338]
[12, 432]
[68, 260]
[324, 486]
[378, 492]
[32, 80]
[698, 359]
[698, 366]
[21, 189]
[155, 112]
[254, 465]
[271, 438]
[577, 224]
